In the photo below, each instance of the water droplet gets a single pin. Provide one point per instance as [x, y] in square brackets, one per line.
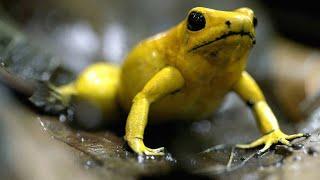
[297, 146]
[80, 137]
[90, 164]
[140, 158]
[297, 158]
[42, 124]
[62, 118]
[169, 158]
[150, 157]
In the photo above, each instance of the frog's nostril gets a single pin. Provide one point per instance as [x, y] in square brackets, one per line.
[255, 21]
[228, 23]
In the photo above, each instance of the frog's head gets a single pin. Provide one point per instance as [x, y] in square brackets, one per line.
[218, 34]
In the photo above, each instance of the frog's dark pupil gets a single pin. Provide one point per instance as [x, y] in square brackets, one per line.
[255, 21]
[196, 21]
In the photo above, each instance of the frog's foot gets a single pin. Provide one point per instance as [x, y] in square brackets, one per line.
[138, 146]
[63, 93]
[271, 138]
[155, 152]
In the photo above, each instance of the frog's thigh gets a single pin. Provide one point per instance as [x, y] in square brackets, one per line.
[98, 84]
[164, 82]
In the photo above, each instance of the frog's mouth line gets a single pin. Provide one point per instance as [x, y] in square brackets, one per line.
[224, 36]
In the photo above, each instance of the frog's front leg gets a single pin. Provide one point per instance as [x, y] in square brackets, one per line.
[249, 91]
[164, 82]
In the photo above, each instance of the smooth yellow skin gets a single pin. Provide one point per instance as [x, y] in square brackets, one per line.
[98, 84]
[183, 75]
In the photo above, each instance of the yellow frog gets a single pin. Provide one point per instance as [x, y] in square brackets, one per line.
[183, 74]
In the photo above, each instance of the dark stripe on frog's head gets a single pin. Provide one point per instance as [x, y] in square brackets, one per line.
[224, 36]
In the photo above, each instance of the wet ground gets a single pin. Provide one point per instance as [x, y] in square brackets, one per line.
[45, 142]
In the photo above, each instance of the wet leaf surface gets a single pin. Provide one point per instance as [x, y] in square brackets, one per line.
[105, 154]
[106, 150]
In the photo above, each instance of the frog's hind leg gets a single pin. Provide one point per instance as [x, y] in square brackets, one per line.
[97, 85]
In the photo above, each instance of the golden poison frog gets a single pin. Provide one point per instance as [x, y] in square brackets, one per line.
[182, 74]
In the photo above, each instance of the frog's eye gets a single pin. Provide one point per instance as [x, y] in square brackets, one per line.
[255, 21]
[196, 21]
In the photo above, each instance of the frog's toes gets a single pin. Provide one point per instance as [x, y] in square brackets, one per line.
[265, 148]
[271, 138]
[154, 152]
[55, 95]
[294, 136]
[285, 142]
[254, 144]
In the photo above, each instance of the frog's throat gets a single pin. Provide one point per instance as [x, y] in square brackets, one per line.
[224, 36]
